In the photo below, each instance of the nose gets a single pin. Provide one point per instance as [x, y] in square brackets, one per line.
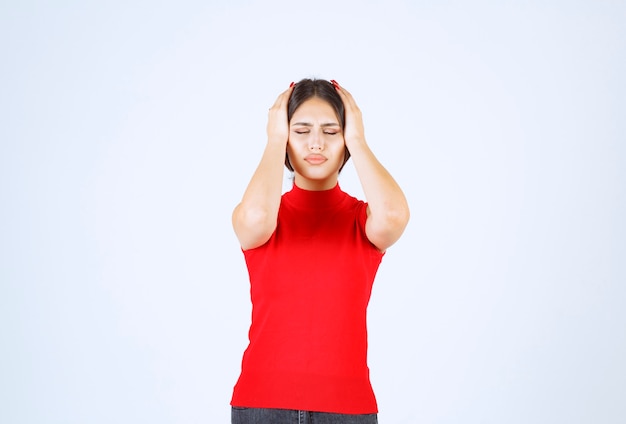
[316, 142]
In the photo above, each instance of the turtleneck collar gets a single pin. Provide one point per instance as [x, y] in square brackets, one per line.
[311, 199]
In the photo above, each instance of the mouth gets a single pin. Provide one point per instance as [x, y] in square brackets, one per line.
[315, 159]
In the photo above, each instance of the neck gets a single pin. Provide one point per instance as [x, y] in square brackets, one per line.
[315, 185]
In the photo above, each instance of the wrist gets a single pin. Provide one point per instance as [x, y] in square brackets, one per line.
[277, 140]
[355, 141]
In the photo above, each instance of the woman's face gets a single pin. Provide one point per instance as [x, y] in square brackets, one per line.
[316, 145]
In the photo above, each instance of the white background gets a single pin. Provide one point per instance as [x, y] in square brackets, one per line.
[129, 131]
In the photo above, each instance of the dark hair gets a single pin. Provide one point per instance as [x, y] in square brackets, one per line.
[309, 88]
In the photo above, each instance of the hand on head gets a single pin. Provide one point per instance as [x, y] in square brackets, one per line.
[354, 131]
[277, 123]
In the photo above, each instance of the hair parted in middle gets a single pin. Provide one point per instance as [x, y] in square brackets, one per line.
[309, 88]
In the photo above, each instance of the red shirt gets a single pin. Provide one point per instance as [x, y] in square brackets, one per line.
[310, 287]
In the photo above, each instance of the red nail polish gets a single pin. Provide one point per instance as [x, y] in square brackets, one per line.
[292, 84]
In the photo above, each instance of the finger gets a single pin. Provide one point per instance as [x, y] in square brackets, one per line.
[340, 89]
[345, 95]
[283, 98]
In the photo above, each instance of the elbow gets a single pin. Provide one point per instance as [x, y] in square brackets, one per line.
[250, 217]
[253, 226]
[384, 230]
[397, 218]
[253, 218]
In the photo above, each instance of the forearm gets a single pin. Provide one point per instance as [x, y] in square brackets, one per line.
[382, 192]
[265, 186]
[254, 218]
[388, 207]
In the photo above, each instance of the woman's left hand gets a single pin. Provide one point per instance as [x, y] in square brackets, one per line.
[387, 208]
[354, 131]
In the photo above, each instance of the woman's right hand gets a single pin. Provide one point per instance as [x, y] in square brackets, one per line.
[255, 217]
[277, 123]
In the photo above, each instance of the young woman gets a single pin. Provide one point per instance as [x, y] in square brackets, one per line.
[312, 254]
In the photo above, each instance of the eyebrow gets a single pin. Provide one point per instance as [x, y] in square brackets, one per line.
[308, 124]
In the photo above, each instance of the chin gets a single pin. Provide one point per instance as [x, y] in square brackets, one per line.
[318, 176]
[318, 172]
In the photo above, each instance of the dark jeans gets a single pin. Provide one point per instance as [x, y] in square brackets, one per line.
[288, 416]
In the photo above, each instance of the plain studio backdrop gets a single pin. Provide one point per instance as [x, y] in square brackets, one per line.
[130, 129]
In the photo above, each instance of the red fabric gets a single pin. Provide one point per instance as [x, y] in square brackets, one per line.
[310, 287]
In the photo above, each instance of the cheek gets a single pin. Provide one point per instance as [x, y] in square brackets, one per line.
[292, 150]
[296, 141]
[336, 142]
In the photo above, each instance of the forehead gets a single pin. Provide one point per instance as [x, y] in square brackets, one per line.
[315, 107]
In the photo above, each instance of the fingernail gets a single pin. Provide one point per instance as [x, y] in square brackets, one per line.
[292, 84]
[335, 84]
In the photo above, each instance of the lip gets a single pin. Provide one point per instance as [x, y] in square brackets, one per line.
[315, 159]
